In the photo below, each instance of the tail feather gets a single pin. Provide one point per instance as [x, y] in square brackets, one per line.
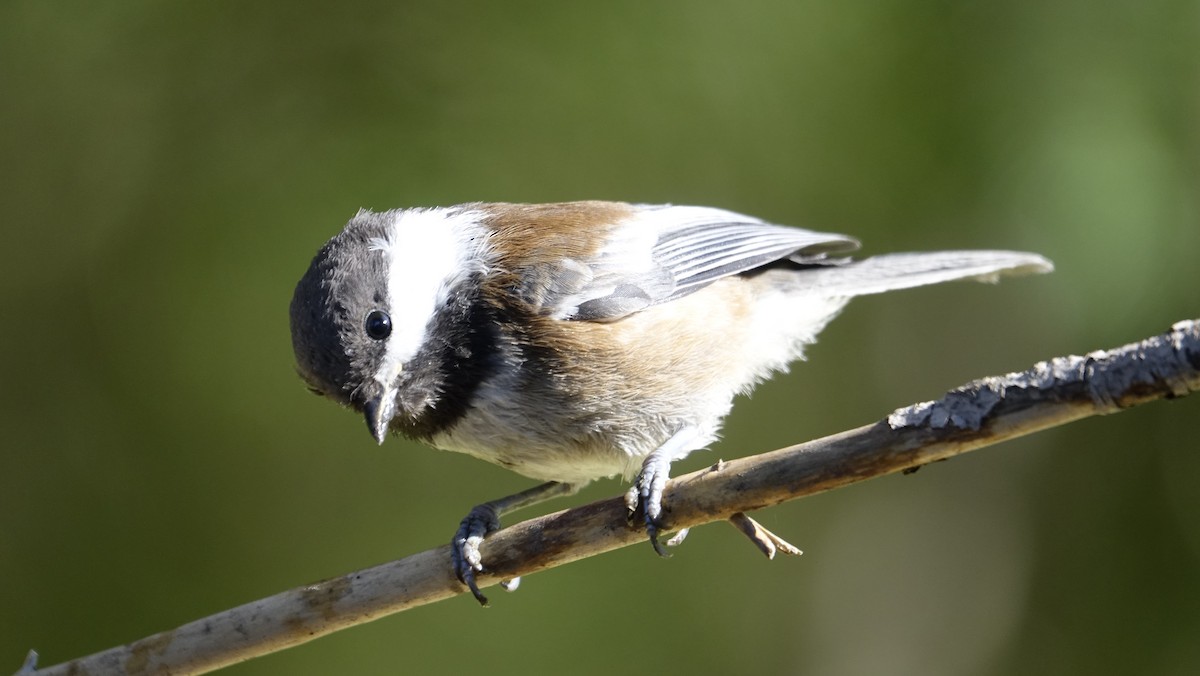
[906, 270]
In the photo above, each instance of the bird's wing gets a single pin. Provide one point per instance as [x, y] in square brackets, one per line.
[661, 253]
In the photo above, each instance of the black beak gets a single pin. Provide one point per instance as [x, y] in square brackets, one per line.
[379, 409]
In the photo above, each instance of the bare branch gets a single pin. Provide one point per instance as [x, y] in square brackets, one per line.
[978, 414]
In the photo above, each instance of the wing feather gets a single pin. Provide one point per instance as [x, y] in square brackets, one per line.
[665, 252]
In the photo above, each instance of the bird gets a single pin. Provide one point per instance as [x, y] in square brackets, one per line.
[574, 341]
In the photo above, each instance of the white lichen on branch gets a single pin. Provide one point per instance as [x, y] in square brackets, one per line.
[1161, 366]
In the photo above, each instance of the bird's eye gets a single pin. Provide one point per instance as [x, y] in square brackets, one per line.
[378, 325]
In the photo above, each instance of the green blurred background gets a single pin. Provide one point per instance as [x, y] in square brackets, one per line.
[170, 168]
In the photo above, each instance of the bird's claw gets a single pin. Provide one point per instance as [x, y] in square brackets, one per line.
[464, 549]
[484, 520]
[644, 498]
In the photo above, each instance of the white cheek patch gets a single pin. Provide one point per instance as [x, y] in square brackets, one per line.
[427, 252]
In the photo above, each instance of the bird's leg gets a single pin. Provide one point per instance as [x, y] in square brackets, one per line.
[484, 519]
[646, 493]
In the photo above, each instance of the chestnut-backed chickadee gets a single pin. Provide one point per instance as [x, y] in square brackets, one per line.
[573, 341]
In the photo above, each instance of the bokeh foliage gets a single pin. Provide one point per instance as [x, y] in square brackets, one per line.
[168, 169]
